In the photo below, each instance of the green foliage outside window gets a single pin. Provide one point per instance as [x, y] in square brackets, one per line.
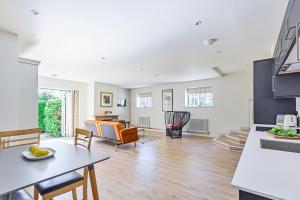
[42, 105]
[52, 121]
[49, 112]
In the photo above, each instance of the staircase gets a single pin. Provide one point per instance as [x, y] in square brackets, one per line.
[234, 141]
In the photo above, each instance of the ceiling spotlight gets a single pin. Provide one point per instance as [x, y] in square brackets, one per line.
[35, 12]
[211, 41]
[198, 23]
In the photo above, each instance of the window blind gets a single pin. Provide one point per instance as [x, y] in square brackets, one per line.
[199, 90]
[149, 94]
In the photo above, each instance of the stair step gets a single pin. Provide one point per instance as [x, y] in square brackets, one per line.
[225, 145]
[237, 138]
[229, 145]
[234, 141]
[241, 133]
[245, 129]
[225, 138]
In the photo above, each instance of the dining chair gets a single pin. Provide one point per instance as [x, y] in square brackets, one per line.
[19, 138]
[70, 181]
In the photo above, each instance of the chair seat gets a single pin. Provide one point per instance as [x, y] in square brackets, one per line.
[58, 182]
[20, 195]
[173, 126]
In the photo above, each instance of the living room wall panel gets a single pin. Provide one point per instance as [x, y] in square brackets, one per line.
[117, 92]
[231, 103]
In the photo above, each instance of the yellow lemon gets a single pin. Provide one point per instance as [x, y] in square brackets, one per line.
[32, 149]
[41, 152]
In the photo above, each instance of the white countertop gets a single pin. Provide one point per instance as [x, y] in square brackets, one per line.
[268, 173]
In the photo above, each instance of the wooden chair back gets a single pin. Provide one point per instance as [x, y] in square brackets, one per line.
[83, 138]
[12, 139]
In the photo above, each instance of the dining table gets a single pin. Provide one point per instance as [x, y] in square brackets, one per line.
[17, 172]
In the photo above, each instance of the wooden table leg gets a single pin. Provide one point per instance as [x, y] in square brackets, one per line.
[93, 182]
[85, 181]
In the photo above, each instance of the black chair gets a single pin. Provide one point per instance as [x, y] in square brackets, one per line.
[70, 181]
[175, 121]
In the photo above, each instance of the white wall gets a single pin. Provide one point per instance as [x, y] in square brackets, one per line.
[117, 93]
[52, 83]
[124, 112]
[230, 110]
[89, 96]
[18, 86]
[28, 93]
[9, 85]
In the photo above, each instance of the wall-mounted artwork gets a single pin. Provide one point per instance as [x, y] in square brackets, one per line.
[121, 102]
[106, 99]
[167, 100]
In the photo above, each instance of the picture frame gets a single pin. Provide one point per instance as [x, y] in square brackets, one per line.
[106, 99]
[167, 100]
[121, 102]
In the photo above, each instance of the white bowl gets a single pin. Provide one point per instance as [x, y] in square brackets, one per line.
[28, 155]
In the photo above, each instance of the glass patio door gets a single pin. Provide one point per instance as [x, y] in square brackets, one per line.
[55, 112]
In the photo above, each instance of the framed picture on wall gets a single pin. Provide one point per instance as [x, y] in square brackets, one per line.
[121, 102]
[106, 99]
[167, 100]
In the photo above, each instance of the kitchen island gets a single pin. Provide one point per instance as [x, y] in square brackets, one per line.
[264, 174]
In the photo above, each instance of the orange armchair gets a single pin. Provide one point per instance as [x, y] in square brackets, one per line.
[128, 135]
[113, 131]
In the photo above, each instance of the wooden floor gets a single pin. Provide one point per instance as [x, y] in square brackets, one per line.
[166, 169]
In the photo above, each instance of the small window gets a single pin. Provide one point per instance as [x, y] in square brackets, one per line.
[199, 97]
[144, 100]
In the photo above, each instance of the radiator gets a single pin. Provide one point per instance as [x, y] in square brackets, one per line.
[144, 122]
[198, 126]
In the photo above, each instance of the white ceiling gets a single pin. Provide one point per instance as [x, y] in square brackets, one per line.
[140, 38]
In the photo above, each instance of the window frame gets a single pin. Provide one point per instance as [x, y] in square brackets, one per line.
[187, 98]
[138, 101]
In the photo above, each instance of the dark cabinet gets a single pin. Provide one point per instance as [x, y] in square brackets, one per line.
[266, 107]
[286, 86]
[293, 15]
[286, 38]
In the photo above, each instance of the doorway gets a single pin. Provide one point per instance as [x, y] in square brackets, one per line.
[55, 112]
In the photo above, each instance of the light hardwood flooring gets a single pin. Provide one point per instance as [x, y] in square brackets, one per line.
[165, 169]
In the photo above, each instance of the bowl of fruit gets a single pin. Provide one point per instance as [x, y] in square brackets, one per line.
[284, 133]
[38, 153]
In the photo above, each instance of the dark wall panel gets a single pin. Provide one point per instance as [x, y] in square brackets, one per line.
[266, 107]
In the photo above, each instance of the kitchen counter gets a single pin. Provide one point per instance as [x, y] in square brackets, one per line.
[267, 173]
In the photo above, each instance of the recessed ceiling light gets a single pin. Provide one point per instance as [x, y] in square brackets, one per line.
[211, 41]
[198, 23]
[35, 12]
